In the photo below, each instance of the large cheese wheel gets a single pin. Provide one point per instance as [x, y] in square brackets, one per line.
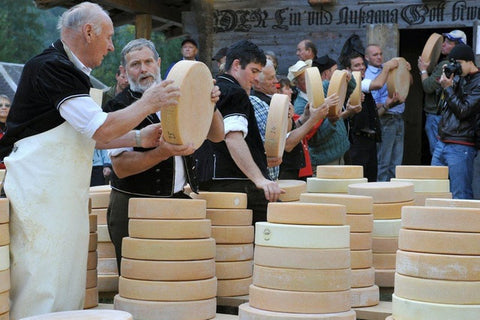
[385, 244]
[167, 290]
[438, 266]
[4, 257]
[223, 200]
[361, 259]
[246, 312]
[432, 50]
[339, 172]
[305, 280]
[179, 310]
[302, 258]
[441, 219]
[302, 236]
[233, 269]
[233, 234]
[92, 222]
[84, 314]
[91, 279]
[391, 210]
[156, 208]
[168, 249]
[5, 280]
[306, 213]
[234, 252]
[338, 84]
[360, 241]
[101, 215]
[314, 86]
[169, 229]
[277, 125]
[360, 222]
[293, 189]
[233, 287]
[107, 283]
[91, 298]
[365, 297]
[427, 185]
[105, 250]
[398, 79]
[356, 96]
[100, 199]
[92, 241]
[168, 270]
[384, 192]
[407, 309]
[4, 210]
[4, 302]
[92, 260]
[421, 197]
[438, 291]
[300, 302]
[362, 278]
[385, 278]
[103, 234]
[421, 172]
[189, 121]
[386, 228]
[439, 242]
[384, 260]
[353, 204]
[107, 266]
[456, 203]
[4, 234]
[230, 217]
[331, 185]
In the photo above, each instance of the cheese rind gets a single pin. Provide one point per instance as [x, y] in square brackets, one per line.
[230, 217]
[353, 204]
[427, 185]
[108, 266]
[101, 215]
[340, 172]
[233, 269]
[276, 126]
[361, 259]
[384, 192]
[91, 279]
[233, 287]
[234, 252]
[338, 84]
[313, 84]
[360, 222]
[362, 278]
[385, 211]
[107, 282]
[385, 278]
[156, 208]
[306, 213]
[222, 200]
[386, 228]
[456, 203]
[360, 241]
[246, 312]
[233, 234]
[4, 302]
[92, 260]
[441, 219]
[4, 234]
[100, 199]
[105, 250]
[398, 80]
[103, 234]
[293, 189]
[384, 260]
[4, 280]
[355, 97]
[432, 50]
[4, 257]
[4, 210]
[421, 197]
[91, 298]
[421, 172]
[365, 297]
[84, 314]
[169, 229]
[331, 185]
[384, 245]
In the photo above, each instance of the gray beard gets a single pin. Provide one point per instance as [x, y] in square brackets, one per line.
[138, 87]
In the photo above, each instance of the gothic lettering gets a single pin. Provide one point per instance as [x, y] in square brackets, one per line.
[414, 14]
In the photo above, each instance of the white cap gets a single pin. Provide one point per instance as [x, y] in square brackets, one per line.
[298, 68]
[457, 36]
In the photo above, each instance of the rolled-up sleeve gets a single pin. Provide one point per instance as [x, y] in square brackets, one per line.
[83, 114]
[236, 123]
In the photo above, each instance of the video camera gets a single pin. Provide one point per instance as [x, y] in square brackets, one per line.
[453, 67]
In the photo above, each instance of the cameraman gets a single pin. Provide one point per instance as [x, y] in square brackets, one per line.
[460, 106]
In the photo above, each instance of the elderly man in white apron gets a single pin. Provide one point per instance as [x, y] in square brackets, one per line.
[52, 130]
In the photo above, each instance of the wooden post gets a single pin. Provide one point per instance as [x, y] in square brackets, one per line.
[203, 10]
[143, 26]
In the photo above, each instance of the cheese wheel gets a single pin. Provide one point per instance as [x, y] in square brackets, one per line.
[107, 283]
[167, 290]
[233, 269]
[233, 234]
[421, 197]
[314, 86]
[4, 280]
[175, 209]
[169, 229]
[299, 302]
[391, 210]
[331, 185]
[365, 297]
[100, 189]
[438, 291]
[384, 192]
[456, 203]
[92, 222]
[222, 200]
[100, 199]
[427, 185]
[92, 260]
[360, 241]
[4, 210]
[306, 213]
[360, 222]
[91, 279]
[339, 172]
[384, 244]
[189, 121]
[439, 242]
[276, 126]
[305, 280]
[179, 310]
[441, 219]
[421, 172]
[438, 266]
[101, 215]
[233, 287]
[356, 96]
[361, 259]
[293, 189]
[230, 217]
[246, 312]
[338, 84]
[385, 278]
[84, 314]
[234, 252]
[432, 50]
[5, 316]
[145, 249]
[398, 79]
[4, 257]
[103, 234]
[407, 309]
[105, 250]
[302, 258]
[386, 228]
[91, 298]
[4, 302]
[107, 266]
[300, 236]
[4, 234]
[384, 260]
[92, 242]
[362, 278]
[353, 204]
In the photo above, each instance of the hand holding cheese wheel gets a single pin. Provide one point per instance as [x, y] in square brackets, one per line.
[432, 50]
[338, 84]
[356, 96]
[399, 79]
[276, 127]
[190, 120]
[313, 83]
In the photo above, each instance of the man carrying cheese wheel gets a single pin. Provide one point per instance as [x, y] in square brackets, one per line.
[239, 164]
[160, 172]
[52, 129]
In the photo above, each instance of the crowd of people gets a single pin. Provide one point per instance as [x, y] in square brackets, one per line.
[54, 121]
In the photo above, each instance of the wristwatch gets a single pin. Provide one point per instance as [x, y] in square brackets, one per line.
[423, 71]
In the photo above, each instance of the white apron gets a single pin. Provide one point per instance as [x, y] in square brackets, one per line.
[47, 183]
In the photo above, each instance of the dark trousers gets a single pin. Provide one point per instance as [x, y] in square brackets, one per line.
[97, 178]
[363, 151]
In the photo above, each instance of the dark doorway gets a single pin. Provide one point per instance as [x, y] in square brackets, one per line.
[412, 41]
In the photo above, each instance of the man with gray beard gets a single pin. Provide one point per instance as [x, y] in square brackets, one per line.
[160, 172]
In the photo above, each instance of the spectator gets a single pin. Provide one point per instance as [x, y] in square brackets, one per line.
[189, 50]
[272, 57]
[306, 50]
[120, 84]
[101, 169]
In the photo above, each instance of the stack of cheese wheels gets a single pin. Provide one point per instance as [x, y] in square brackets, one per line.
[293, 189]
[301, 264]
[83, 315]
[360, 219]
[91, 293]
[335, 179]
[107, 264]
[4, 259]
[168, 266]
[234, 234]
[388, 200]
[277, 125]
[428, 181]
[438, 264]
[459, 203]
